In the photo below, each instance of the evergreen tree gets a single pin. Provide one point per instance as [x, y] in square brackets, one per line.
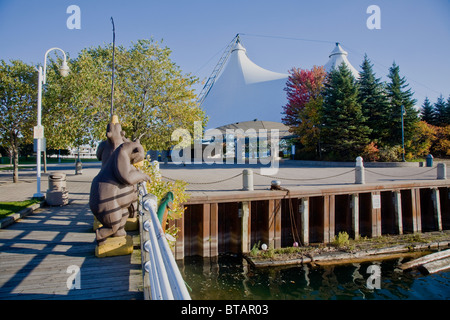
[400, 95]
[374, 103]
[447, 112]
[440, 110]
[427, 112]
[344, 130]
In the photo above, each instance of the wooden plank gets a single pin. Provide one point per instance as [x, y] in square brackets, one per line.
[436, 266]
[376, 214]
[428, 258]
[204, 235]
[329, 218]
[179, 245]
[416, 210]
[246, 225]
[271, 223]
[435, 196]
[214, 230]
[275, 223]
[397, 199]
[355, 216]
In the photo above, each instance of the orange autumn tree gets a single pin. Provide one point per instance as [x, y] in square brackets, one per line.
[302, 113]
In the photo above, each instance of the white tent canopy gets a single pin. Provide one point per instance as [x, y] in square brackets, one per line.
[337, 57]
[245, 91]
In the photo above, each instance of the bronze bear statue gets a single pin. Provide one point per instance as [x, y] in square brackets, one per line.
[113, 191]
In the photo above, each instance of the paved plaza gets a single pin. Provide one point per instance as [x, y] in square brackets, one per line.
[207, 178]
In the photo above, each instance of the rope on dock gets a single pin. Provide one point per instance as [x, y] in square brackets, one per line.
[262, 175]
[305, 179]
[402, 176]
[211, 182]
[300, 179]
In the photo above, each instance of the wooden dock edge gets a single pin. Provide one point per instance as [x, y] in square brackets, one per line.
[341, 257]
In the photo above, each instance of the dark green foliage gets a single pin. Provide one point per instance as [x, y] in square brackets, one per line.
[427, 112]
[345, 132]
[374, 103]
[399, 94]
[441, 112]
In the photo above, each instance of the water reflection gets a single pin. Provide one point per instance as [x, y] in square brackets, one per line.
[230, 277]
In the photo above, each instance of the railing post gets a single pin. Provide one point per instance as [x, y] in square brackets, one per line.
[247, 180]
[441, 171]
[359, 171]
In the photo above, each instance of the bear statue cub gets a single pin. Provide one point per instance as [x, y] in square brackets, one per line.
[113, 191]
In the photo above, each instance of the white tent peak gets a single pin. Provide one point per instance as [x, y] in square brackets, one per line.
[245, 91]
[239, 46]
[337, 57]
[338, 50]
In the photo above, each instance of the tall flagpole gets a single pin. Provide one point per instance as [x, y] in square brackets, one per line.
[113, 67]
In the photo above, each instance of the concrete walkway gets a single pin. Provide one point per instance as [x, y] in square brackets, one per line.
[204, 178]
[294, 175]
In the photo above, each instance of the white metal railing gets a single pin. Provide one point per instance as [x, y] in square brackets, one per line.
[162, 278]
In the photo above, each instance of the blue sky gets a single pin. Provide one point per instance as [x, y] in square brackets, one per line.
[415, 34]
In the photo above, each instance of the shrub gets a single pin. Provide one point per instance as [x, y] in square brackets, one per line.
[341, 240]
[391, 154]
[371, 153]
[159, 188]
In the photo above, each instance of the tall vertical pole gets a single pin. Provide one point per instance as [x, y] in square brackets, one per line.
[113, 67]
[38, 193]
[403, 135]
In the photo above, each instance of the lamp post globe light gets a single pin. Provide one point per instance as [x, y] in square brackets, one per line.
[39, 129]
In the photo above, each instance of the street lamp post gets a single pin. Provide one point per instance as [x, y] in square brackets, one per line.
[403, 135]
[39, 129]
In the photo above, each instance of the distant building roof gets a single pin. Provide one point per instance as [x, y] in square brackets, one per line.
[257, 125]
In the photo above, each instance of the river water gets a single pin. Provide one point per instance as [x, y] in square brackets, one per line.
[231, 278]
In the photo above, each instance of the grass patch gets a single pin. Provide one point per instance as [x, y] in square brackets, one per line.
[12, 168]
[8, 208]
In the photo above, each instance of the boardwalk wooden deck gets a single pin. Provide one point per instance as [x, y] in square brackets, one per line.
[40, 254]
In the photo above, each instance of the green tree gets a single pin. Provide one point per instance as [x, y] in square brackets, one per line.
[303, 110]
[400, 95]
[447, 111]
[157, 97]
[152, 97]
[18, 101]
[344, 128]
[427, 112]
[374, 103]
[68, 121]
[440, 111]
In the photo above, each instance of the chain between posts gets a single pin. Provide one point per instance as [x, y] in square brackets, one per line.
[394, 176]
